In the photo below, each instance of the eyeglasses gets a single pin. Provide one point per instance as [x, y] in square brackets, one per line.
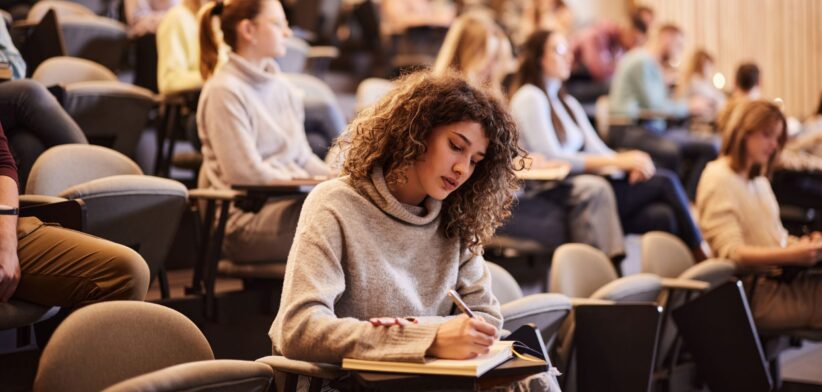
[280, 23]
[561, 49]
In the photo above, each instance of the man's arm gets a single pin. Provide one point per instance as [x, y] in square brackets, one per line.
[9, 265]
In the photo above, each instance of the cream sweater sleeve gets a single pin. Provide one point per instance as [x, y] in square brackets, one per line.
[719, 216]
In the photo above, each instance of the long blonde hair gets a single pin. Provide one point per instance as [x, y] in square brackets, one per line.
[466, 50]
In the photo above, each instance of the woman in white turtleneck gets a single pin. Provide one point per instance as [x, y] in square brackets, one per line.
[553, 125]
[250, 120]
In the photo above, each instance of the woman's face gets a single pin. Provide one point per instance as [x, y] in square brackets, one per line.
[271, 30]
[762, 144]
[557, 58]
[452, 153]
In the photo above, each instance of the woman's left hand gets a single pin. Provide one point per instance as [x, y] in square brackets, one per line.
[391, 321]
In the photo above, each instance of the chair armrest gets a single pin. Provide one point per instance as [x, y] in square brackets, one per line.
[576, 301]
[70, 214]
[684, 284]
[323, 52]
[310, 369]
[213, 194]
[34, 200]
[545, 311]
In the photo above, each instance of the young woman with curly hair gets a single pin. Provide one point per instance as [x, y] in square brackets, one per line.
[428, 176]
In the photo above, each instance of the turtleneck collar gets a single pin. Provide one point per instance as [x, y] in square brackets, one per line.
[552, 86]
[252, 73]
[377, 190]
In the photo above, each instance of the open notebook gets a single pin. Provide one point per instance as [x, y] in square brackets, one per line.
[500, 352]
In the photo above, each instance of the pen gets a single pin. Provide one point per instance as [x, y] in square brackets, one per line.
[461, 305]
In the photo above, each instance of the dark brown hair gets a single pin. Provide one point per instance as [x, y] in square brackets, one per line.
[230, 14]
[530, 72]
[392, 134]
[747, 76]
[747, 118]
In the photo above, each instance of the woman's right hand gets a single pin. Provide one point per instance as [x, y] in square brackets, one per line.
[463, 337]
[638, 164]
[806, 251]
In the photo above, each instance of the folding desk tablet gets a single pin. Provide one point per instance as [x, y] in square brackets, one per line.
[616, 346]
[719, 332]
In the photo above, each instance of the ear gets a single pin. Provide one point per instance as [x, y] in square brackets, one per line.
[245, 29]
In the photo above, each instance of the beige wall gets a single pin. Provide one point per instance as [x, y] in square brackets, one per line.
[784, 37]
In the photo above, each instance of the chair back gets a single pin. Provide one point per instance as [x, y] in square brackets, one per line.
[141, 212]
[579, 270]
[65, 70]
[44, 41]
[64, 166]
[371, 90]
[503, 285]
[296, 55]
[60, 7]
[665, 255]
[95, 38]
[111, 114]
[323, 113]
[222, 375]
[102, 344]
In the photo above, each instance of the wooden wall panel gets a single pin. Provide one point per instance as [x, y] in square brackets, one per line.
[784, 37]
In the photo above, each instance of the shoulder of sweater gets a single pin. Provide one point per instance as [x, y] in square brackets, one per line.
[527, 93]
[338, 191]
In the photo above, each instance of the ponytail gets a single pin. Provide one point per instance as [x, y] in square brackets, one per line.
[209, 45]
[229, 13]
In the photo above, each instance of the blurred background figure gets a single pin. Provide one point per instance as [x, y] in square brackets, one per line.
[697, 83]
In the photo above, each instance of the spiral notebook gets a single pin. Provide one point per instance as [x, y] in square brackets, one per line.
[500, 352]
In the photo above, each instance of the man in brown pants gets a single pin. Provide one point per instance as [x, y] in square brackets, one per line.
[49, 265]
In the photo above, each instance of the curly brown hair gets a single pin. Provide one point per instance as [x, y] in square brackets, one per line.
[392, 135]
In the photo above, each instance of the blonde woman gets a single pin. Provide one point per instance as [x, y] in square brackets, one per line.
[178, 48]
[478, 49]
[697, 83]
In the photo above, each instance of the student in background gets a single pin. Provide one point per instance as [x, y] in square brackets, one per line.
[477, 48]
[545, 15]
[250, 121]
[49, 265]
[697, 82]
[144, 16]
[428, 176]
[599, 48]
[555, 126]
[639, 90]
[740, 218]
[178, 48]
[746, 88]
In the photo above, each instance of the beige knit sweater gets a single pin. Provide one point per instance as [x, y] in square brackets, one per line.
[359, 253]
[734, 210]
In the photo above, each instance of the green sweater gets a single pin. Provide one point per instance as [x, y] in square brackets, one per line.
[359, 253]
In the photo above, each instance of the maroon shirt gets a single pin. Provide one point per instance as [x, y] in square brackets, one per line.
[7, 166]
